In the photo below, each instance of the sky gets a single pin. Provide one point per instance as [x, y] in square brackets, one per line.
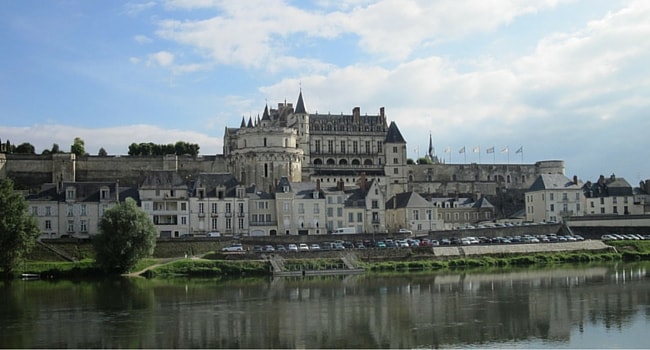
[553, 79]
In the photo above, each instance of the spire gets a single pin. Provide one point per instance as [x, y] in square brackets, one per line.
[430, 147]
[300, 106]
[243, 123]
[266, 116]
[250, 122]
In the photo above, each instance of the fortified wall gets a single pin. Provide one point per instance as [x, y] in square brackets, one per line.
[449, 179]
[31, 171]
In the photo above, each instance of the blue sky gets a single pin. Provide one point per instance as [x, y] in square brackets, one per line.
[563, 80]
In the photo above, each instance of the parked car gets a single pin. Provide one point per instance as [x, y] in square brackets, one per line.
[214, 234]
[293, 247]
[303, 247]
[269, 248]
[405, 231]
[381, 244]
[280, 248]
[258, 249]
[314, 246]
[233, 248]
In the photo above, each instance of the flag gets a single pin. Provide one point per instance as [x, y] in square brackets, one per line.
[462, 150]
[477, 150]
[520, 150]
[447, 149]
[490, 150]
[505, 150]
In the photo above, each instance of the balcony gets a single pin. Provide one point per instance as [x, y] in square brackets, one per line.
[264, 223]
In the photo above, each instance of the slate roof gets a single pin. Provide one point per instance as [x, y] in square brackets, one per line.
[300, 106]
[161, 179]
[210, 182]
[552, 182]
[612, 186]
[407, 200]
[393, 135]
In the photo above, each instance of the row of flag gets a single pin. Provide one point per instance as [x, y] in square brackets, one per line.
[488, 150]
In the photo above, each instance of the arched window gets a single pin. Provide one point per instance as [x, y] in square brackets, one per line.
[331, 161]
[343, 162]
[356, 162]
[318, 161]
[367, 162]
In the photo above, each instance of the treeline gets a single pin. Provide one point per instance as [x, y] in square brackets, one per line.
[78, 148]
[151, 149]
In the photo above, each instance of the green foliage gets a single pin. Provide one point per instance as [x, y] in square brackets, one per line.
[205, 268]
[18, 229]
[25, 148]
[151, 149]
[78, 147]
[102, 152]
[127, 235]
[424, 160]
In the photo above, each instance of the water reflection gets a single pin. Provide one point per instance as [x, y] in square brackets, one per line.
[563, 307]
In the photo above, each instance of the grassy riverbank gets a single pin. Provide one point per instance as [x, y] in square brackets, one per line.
[214, 264]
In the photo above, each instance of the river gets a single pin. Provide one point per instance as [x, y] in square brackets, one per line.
[591, 306]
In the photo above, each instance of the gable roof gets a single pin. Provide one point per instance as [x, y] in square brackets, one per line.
[300, 106]
[407, 200]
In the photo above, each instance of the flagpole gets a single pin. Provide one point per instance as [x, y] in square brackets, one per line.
[465, 154]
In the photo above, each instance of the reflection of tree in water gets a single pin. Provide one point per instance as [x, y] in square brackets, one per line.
[126, 308]
[16, 310]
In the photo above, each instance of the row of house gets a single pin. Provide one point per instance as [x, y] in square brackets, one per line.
[217, 203]
[554, 197]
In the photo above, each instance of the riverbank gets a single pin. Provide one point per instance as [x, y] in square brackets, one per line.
[217, 264]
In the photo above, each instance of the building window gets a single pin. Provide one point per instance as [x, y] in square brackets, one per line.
[416, 215]
[48, 224]
[552, 207]
[395, 171]
[104, 193]
[350, 217]
[330, 212]
[213, 208]
[375, 204]
[228, 208]
[35, 210]
[228, 224]
[359, 217]
[183, 206]
[84, 210]
[615, 208]
[355, 147]
[83, 226]
[317, 146]
[301, 208]
[48, 211]
[551, 196]
[240, 223]
[395, 149]
[339, 212]
[368, 150]
[342, 146]
[214, 223]
[316, 208]
[70, 210]
[241, 207]
[287, 207]
[183, 220]
[201, 209]
[70, 226]
[380, 147]
[330, 146]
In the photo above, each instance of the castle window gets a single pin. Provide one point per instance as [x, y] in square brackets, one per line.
[395, 149]
[330, 146]
[342, 146]
[265, 142]
[317, 146]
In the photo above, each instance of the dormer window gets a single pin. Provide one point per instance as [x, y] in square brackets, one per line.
[104, 193]
[285, 189]
[70, 193]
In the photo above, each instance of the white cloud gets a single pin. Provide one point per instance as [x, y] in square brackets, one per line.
[161, 58]
[142, 39]
[134, 8]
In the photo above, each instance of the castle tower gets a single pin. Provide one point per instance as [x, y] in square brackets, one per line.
[395, 165]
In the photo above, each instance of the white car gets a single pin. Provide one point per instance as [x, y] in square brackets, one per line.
[303, 247]
[292, 248]
[403, 230]
[233, 248]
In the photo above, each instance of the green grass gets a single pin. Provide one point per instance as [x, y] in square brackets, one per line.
[208, 268]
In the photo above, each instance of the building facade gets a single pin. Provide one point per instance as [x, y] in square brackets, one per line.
[553, 197]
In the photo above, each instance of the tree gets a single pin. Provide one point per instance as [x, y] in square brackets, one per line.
[425, 160]
[127, 235]
[78, 147]
[25, 148]
[102, 152]
[55, 148]
[18, 229]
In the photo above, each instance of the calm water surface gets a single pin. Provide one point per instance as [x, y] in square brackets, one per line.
[569, 307]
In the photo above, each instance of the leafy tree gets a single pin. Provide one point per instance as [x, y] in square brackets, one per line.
[102, 152]
[25, 148]
[78, 147]
[424, 160]
[18, 229]
[127, 235]
[409, 161]
[55, 148]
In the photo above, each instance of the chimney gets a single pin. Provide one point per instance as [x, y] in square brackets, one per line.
[381, 113]
[362, 181]
[395, 202]
[339, 185]
[318, 185]
[601, 180]
[575, 180]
